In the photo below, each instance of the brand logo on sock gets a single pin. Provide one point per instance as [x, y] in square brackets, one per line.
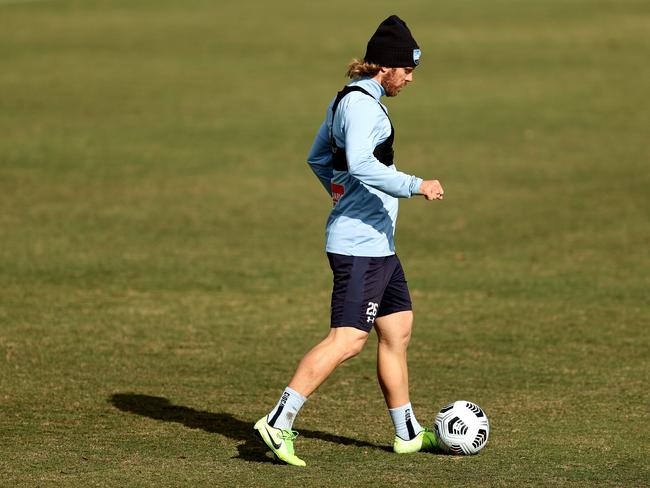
[409, 424]
[283, 400]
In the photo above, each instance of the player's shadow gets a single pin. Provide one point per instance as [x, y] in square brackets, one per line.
[251, 449]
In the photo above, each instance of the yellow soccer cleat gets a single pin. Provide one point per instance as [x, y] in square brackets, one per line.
[279, 441]
[424, 441]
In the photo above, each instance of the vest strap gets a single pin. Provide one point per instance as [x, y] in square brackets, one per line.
[383, 152]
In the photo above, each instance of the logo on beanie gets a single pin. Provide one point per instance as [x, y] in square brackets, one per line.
[416, 56]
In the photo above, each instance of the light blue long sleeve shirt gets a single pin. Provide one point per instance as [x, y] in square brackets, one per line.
[363, 220]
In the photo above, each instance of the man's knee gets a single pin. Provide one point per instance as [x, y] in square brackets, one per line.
[398, 339]
[355, 347]
[350, 341]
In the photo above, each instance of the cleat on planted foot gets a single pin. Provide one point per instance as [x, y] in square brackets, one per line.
[424, 441]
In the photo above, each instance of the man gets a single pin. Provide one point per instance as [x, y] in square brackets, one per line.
[352, 155]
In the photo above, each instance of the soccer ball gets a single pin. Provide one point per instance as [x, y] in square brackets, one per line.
[462, 428]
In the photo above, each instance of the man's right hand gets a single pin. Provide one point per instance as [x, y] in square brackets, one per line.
[432, 190]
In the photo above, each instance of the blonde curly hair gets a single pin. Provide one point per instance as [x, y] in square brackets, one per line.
[361, 69]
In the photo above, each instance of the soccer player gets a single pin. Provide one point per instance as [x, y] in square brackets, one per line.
[352, 156]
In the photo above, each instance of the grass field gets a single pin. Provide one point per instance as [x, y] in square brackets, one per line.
[161, 250]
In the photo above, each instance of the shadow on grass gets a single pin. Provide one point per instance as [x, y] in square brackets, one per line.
[252, 449]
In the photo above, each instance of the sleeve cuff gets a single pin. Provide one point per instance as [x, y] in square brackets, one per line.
[415, 185]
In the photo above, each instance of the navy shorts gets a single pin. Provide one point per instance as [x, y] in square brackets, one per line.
[366, 288]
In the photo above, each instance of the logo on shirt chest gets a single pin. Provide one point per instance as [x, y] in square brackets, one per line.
[337, 193]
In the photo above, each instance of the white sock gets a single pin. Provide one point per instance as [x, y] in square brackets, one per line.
[406, 425]
[285, 411]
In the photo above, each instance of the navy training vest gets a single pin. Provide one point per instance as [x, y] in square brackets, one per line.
[383, 152]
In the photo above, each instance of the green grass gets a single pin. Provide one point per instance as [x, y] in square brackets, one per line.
[161, 241]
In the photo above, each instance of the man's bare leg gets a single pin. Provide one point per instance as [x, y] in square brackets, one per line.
[275, 429]
[394, 334]
[341, 344]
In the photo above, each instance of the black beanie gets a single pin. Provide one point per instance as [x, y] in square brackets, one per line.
[392, 45]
